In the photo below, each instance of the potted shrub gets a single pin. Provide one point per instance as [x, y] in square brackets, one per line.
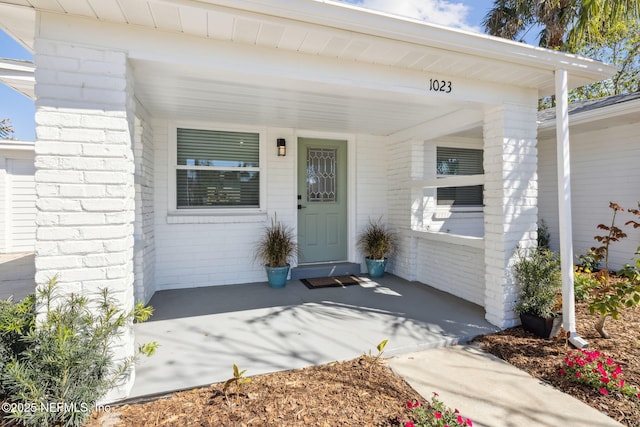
[538, 276]
[376, 241]
[275, 250]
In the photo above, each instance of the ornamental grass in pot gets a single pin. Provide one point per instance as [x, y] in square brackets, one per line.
[538, 277]
[276, 249]
[377, 242]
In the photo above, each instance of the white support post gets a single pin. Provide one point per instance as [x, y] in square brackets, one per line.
[564, 207]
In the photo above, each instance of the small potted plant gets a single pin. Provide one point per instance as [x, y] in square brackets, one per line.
[376, 241]
[538, 276]
[275, 250]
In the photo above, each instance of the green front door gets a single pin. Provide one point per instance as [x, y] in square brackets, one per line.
[322, 200]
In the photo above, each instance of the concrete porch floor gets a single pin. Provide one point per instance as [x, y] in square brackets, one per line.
[202, 332]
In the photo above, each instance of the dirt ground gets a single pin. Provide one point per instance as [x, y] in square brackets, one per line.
[354, 393]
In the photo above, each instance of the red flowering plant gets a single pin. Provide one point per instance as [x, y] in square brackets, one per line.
[435, 414]
[596, 370]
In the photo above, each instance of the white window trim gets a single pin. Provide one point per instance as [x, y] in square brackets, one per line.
[216, 214]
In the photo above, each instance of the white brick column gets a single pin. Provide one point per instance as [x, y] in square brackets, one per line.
[510, 198]
[85, 175]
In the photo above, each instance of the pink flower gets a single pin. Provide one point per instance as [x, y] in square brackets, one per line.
[409, 424]
[621, 384]
[578, 374]
[412, 404]
[604, 391]
[562, 372]
[605, 380]
[435, 394]
[469, 422]
[460, 420]
[437, 414]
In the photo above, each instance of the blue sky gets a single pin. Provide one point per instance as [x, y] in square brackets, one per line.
[465, 14]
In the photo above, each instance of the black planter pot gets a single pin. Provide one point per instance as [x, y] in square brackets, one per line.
[543, 327]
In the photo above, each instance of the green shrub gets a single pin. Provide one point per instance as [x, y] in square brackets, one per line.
[16, 320]
[589, 262]
[543, 235]
[584, 284]
[632, 272]
[66, 359]
[538, 276]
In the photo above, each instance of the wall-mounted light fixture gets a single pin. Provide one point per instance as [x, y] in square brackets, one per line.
[282, 147]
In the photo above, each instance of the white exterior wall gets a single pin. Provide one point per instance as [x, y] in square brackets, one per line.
[604, 168]
[217, 249]
[369, 162]
[144, 233]
[85, 176]
[446, 262]
[17, 198]
[452, 264]
[400, 172]
[510, 197]
[212, 248]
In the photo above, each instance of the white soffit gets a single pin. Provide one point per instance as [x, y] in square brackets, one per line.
[332, 29]
[314, 29]
[18, 75]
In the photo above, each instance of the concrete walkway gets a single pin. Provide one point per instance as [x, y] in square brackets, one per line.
[492, 392]
[17, 275]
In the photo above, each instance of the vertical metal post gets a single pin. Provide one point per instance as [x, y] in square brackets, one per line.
[564, 207]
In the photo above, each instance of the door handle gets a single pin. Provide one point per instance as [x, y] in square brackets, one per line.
[301, 207]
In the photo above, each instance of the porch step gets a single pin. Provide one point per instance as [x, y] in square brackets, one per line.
[325, 270]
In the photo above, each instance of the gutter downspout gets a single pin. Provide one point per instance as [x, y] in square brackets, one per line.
[564, 205]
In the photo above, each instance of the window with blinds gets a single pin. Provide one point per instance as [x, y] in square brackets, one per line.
[459, 161]
[217, 169]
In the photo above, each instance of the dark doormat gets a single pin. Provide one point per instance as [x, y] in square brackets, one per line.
[331, 282]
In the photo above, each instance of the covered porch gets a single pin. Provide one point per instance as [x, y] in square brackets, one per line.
[116, 93]
[202, 332]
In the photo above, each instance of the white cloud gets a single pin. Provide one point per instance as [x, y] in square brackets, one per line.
[441, 12]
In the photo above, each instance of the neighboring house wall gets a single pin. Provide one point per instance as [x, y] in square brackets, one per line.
[17, 197]
[604, 168]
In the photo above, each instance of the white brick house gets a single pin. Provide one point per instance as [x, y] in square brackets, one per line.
[157, 125]
[605, 154]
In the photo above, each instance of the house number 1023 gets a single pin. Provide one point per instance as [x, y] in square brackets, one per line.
[436, 85]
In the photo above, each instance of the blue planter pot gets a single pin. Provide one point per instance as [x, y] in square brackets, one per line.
[277, 276]
[375, 267]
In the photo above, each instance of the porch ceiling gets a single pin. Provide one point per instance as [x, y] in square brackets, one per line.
[177, 93]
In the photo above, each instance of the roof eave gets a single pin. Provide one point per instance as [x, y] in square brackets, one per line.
[357, 19]
[601, 113]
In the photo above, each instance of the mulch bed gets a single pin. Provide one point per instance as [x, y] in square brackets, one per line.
[356, 393]
[543, 359]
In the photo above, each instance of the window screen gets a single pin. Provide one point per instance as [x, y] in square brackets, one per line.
[459, 161]
[217, 169]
